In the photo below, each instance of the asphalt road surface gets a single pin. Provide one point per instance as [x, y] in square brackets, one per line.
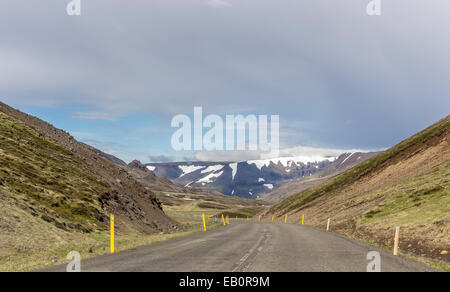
[253, 247]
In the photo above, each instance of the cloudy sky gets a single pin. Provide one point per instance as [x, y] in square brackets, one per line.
[339, 79]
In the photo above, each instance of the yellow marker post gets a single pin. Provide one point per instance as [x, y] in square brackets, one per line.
[273, 217]
[112, 233]
[228, 219]
[259, 218]
[303, 219]
[223, 220]
[247, 218]
[285, 219]
[204, 223]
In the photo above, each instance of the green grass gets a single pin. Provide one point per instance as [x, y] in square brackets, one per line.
[423, 199]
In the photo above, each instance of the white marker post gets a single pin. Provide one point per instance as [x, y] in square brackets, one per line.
[396, 239]
[328, 225]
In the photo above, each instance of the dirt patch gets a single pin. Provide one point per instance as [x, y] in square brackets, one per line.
[422, 247]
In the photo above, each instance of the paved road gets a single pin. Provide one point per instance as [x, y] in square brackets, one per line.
[254, 247]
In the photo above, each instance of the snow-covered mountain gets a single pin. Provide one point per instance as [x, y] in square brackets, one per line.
[248, 179]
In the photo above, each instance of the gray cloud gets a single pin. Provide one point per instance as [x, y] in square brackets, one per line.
[93, 116]
[221, 156]
[219, 3]
[161, 158]
[335, 75]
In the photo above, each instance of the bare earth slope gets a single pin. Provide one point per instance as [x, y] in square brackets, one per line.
[406, 185]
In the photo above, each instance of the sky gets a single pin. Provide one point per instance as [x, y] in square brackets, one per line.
[116, 75]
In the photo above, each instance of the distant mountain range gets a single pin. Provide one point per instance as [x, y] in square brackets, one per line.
[342, 163]
[253, 178]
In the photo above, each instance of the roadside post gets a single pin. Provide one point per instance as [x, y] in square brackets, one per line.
[112, 234]
[396, 239]
[303, 219]
[328, 225]
[204, 222]
[259, 218]
[273, 217]
[285, 219]
[223, 220]
[228, 219]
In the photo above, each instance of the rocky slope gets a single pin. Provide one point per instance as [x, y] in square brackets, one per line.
[46, 173]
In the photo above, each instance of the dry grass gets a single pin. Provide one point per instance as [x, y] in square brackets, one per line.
[36, 243]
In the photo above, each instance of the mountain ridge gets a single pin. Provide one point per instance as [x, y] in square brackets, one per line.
[247, 179]
[342, 163]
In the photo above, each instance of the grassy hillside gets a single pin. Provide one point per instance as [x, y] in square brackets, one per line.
[47, 181]
[406, 185]
[57, 194]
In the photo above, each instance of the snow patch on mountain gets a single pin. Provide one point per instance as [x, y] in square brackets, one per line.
[347, 158]
[152, 168]
[269, 186]
[287, 161]
[233, 170]
[188, 169]
[213, 168]
[209, 178]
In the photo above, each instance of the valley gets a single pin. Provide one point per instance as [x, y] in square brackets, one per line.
[56, 195]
